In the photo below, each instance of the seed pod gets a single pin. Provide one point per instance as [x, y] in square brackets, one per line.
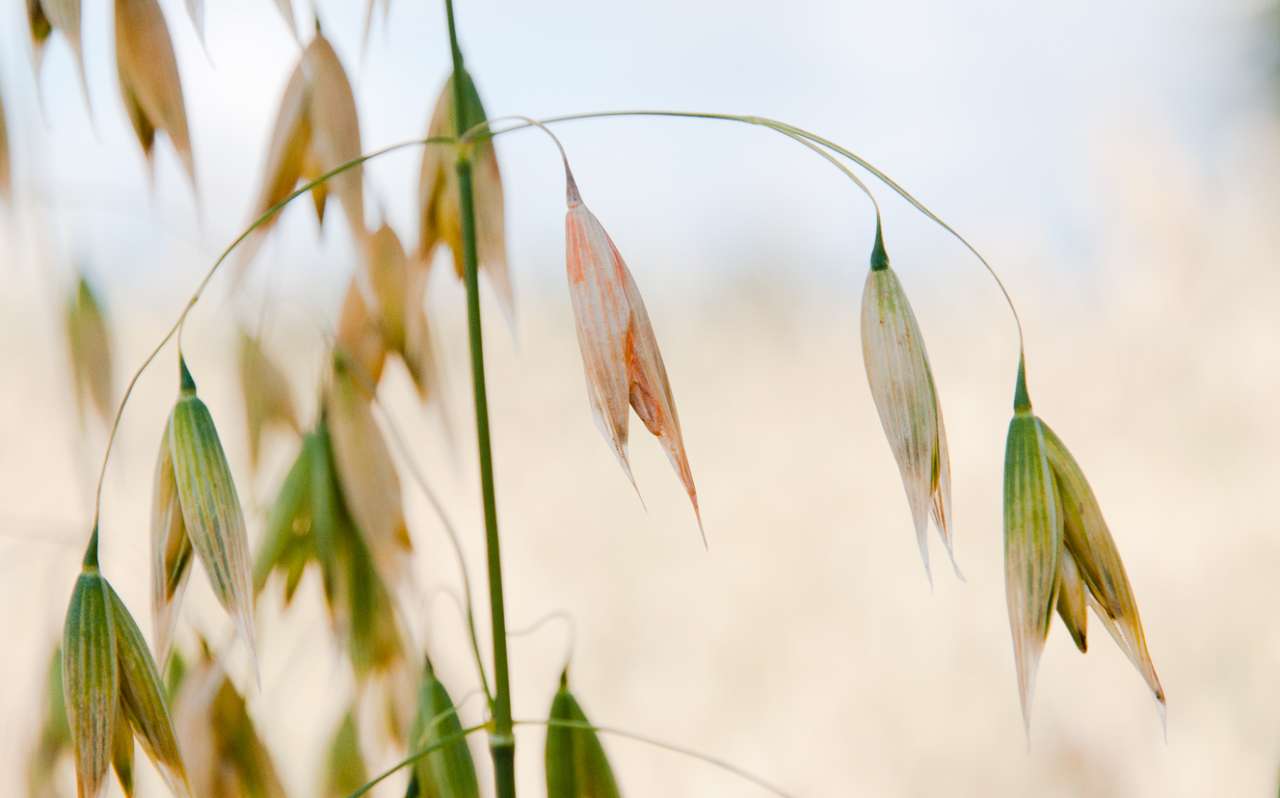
[267, 398]
[89, 347]
[345, 768]
[447, 772]
[91, 680]
[1092, 548]
[149, 81]
[576, 764]
[619, 351]
[142, 697]
[1032, 540]
[367, 474]
[907, 400]
[211, 509]
[439, 217]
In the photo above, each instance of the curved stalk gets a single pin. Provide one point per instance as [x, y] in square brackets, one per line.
[416, 755]
[794, 132]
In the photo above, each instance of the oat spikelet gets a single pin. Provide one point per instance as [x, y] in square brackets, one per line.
[1088, 540]
[211, 509]
[619, 351]
[170, 550]
[400, 291]
[316, 130]
[142, 698]
[91, 680]
[906, 399]
[576, 764]
[149, 81]
[1032, 541]
[439, 216]
[447, 772]
[370, 486]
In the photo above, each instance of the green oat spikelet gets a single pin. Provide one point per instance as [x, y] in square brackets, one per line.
[1059, 551]
[906, 400]
[447, 772]
[211, 511]
[1088, 540]
[142, 697]
[1032, 541]
[576, 764]
[171, 550]
[112, 690]
[90, 680]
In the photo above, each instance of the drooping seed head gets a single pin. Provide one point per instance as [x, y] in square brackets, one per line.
[149, 81]
[6, 159]
[619, 350]
[439, 215]
[447, 772]
[906, 399]
[211, 510]
[286, 544]
[576, 764]
[1032, 541]
[90, 680]
[359, 337]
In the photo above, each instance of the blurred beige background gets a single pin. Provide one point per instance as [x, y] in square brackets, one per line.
[805, 645]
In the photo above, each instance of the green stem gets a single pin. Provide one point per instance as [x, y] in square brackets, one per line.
[502, 741]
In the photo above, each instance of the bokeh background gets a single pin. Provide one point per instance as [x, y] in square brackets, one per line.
[1117, 162]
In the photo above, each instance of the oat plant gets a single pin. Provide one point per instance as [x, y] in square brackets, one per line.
[340, 509]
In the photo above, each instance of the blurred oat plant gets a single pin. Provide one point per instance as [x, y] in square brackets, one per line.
[340, 507]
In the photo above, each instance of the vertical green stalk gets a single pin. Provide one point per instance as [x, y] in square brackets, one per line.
[502, 742]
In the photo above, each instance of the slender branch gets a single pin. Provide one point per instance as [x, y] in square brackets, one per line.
[195, 297]
[724, 765]
[481, 130]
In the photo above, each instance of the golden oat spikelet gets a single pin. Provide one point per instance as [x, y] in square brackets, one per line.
[149, 82]
[89, 349]
[268, 401]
